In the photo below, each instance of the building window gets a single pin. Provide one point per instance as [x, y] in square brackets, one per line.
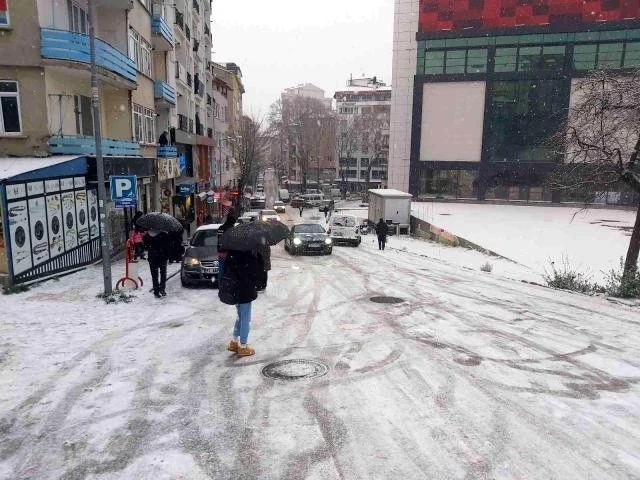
[524, 114]
[437, 62]
[4, 13]
[632, 55]
[140, 52]
[78, 18]
[84, 115]
[143, 124]
[9, 107]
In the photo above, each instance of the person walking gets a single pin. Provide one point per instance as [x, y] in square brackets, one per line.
[228, 223]
[301, 209]
[382, 229]
[157, 244]
[239, 287]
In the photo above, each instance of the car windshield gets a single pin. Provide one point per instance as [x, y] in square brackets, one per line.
[205, 238]
[269, 212]
[344, 221]
[308, 228]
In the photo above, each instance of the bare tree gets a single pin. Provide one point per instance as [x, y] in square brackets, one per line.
[250, 150]
[374, 129]
[601, 143]
[348, 135]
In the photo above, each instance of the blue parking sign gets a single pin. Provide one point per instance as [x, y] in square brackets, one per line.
[124, 190]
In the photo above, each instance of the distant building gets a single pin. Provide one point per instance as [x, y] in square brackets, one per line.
[363, 109]
[479, 86]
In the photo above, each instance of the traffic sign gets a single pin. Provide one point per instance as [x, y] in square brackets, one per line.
[124, 190]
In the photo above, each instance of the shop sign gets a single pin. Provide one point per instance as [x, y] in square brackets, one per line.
[185, 189]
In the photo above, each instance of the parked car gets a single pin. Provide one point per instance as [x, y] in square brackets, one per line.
[345, 228]
[253, 215]
[268, 215]
[200, 260]
[308, 238]
[243, 219]
[278, 206]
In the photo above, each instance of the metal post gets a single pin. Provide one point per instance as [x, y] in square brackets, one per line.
[97, 132]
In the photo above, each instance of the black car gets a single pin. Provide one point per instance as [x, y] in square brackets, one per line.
[308, 238]
[200, 261]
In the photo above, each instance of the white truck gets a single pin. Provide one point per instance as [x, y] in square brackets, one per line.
[393, 206]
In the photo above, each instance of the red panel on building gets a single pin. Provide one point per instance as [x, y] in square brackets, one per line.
[438, 15]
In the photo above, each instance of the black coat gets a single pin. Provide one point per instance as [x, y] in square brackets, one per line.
[382, 229]
[158, 246]
[241, 277]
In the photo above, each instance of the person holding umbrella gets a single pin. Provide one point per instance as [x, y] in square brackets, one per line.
[243, 273]
[157, 244]
[158, 225]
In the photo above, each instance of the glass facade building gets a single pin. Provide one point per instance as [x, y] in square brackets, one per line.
[493, 82]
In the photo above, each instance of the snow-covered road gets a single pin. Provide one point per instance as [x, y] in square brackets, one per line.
[471, 377]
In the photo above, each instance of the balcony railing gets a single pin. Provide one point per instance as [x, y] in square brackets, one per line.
[79, 145]
[190, 126]
[179, 19]
[160, 27]
[167, 151]
[74, 47]
[164, 91]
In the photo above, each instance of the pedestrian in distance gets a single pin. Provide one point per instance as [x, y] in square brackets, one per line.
[239, 287]
[134, 220]
[301, 209]
[228, 223]
[382, 229]
[137, 238]
[157, 244]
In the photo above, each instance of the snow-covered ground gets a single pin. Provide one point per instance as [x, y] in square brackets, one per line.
[592, 241]
[472, 376]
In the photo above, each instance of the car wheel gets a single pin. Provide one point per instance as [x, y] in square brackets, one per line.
[184, 282]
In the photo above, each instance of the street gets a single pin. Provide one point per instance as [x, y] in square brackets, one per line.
[470, 376]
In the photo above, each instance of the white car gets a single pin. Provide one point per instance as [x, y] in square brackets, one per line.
[278, 206]
[267, 215]
[345, 228]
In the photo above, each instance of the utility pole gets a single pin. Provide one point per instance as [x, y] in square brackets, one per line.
[97, 132]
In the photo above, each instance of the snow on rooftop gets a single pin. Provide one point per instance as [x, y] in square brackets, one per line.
[389, 193]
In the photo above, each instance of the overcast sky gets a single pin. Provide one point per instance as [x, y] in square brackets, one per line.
[282, 43]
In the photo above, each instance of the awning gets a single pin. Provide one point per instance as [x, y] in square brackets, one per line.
[35, 168]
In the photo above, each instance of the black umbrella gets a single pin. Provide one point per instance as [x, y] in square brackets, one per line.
[162, 222]
[252, 235]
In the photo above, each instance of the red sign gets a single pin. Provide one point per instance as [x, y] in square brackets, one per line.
[439, 15]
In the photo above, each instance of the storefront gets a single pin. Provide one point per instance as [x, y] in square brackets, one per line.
[48, 217]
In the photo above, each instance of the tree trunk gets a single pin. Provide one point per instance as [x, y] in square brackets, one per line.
[631, 261]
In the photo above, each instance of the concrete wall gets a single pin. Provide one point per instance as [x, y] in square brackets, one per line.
[116, 114]
[20, 44]
[404, 68]
[31, 87]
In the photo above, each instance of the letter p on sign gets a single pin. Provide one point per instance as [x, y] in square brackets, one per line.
[123, 187]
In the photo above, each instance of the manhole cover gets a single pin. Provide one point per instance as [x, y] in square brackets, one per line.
[295, 369]
[386, 300]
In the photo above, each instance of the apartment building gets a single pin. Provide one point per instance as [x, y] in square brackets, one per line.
[363, 109]
[47, 123]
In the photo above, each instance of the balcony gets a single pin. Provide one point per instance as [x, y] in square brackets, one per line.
[162, 34]
[199, 128]
[189, 79]
[74, 47]
[167, 151]
[199, 90]
[164, 93]
[79, 145]
[210, 132]
[209, 101]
